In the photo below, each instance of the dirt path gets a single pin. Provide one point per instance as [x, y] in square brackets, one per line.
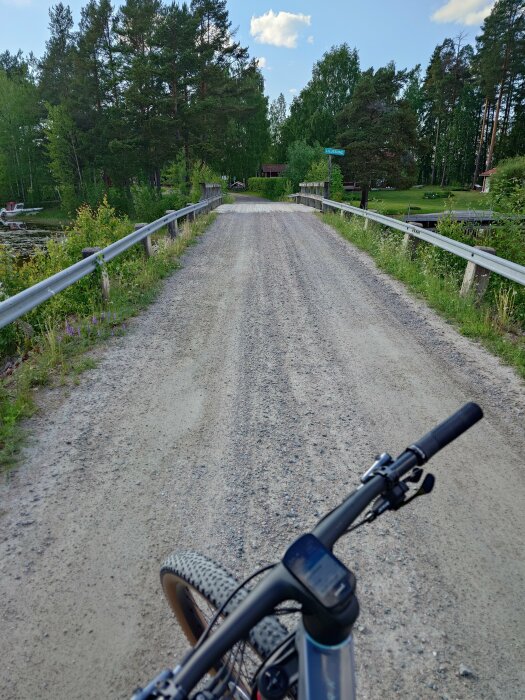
[245, 403]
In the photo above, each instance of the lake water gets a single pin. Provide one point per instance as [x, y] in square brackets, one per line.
[24, 237]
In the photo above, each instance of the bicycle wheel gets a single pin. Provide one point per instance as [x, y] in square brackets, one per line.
[195, 588]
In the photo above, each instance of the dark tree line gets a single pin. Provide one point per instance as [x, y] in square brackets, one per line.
[460, 117]
[125, 95]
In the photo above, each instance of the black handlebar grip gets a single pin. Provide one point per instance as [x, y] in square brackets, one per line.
[427, 446]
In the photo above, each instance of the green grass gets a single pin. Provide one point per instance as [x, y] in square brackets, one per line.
[439, 287]
[402, 202]
[58, 356]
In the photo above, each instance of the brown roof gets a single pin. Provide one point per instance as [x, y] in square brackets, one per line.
[273, 167]
[488, 173]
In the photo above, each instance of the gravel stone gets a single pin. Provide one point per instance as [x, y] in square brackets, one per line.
[283, 360]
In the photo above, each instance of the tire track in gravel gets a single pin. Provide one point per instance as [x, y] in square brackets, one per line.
[244, 404]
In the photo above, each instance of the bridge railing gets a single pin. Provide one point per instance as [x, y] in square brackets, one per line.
[480, 260]
[19, 304]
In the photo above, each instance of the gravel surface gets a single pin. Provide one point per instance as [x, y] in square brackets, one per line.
[238, 409]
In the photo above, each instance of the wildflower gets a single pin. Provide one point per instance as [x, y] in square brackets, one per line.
[69, 329]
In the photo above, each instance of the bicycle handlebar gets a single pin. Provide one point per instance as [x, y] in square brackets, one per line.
[427, 446]
[279, 585]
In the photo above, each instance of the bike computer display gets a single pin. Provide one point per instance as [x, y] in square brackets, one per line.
[320, 572]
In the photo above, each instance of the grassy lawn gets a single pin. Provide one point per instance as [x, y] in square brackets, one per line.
[401, 202]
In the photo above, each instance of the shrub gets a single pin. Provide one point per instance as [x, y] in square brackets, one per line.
[301, 157]
[445, 194]
[201, 172]
[319, 172]
[269, 187]
[507, 186]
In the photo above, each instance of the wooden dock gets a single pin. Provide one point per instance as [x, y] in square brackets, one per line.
[468, 216]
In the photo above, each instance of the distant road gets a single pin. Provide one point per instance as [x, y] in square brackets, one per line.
[238, 408]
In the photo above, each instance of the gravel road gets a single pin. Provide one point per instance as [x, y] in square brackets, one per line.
[239, 408]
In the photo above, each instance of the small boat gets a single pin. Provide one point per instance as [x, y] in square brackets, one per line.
[14, 209]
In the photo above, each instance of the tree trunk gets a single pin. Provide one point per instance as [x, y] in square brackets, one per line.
[490, 154]
[481, 139]
[433, 175]
[363, 204]
[508, 104]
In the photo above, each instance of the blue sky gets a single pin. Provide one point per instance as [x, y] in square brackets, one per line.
[290, 35]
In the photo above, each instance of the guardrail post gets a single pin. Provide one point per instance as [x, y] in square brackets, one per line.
[173, 226]
[367, 220]
[410, 243]
[104, 277]
[191, 214]
[476, 278]
[146, 242]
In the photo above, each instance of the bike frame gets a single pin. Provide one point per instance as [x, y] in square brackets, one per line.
[325, 672]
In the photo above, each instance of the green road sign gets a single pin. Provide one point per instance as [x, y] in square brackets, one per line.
[334, 151]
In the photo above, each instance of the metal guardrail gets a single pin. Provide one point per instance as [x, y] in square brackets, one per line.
[488, 261]
[21, 303]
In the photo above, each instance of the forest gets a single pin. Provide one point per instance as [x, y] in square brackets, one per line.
[153, 94]
[442, 125]
[130, 98]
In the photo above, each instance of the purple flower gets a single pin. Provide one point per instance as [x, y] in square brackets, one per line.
[69, 329]
[94, 320]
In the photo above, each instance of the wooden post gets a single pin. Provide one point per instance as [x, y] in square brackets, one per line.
[476, 277]
[191, 214]
[410, 243]
[173, 226]
[104, 278]
[146, 242]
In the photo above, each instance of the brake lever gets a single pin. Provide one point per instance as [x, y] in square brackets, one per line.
[395, 500]
[425, 488]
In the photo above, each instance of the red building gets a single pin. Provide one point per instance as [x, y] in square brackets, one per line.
[272, 169]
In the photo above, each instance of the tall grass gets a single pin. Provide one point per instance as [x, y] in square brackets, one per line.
[436, 276]
[48, 345]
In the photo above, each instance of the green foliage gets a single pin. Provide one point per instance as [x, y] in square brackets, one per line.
[301, 156]
[378, 130]
[174, 174]
[202, 173]
[149, 203]
[313, 113]
[270, 187]
[441, 194]
[49, 342]
[507, 186]
[318, 172]
[436, 275]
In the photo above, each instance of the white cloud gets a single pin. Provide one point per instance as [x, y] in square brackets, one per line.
[469, 12]
[262, 62]
[281, 29]
[293, 91]
[310, 39]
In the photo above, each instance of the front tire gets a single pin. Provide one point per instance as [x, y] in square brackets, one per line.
[196, 587]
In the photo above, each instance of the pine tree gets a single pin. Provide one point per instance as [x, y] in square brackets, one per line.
[378, 130]
[56, 67]
[501, 63]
